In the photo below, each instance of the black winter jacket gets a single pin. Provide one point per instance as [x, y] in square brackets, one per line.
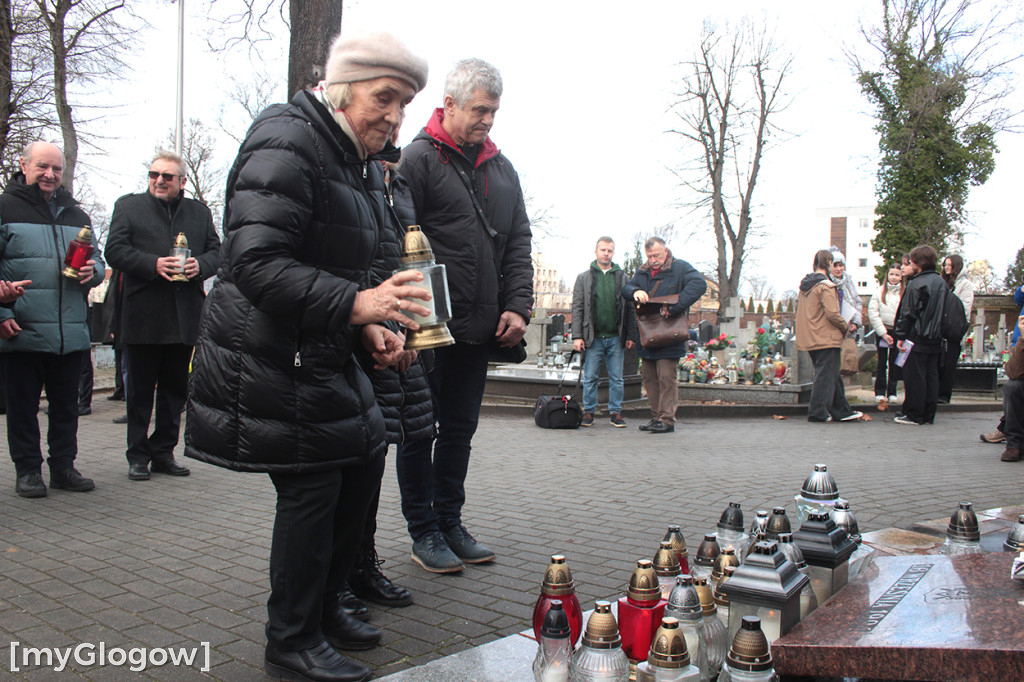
[676, 277]
[276, 384]
[919, 317]
[404, 397]
[142, 229]
[445, 211]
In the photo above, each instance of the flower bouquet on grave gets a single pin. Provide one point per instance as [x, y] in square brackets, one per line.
[722, 342]
[763, 342]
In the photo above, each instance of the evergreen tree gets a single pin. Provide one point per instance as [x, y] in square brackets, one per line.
[771, 307]
[1015, 273]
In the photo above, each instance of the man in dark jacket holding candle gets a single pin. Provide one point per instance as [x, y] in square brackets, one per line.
[43, 318]
[663, 275]
[159, 314]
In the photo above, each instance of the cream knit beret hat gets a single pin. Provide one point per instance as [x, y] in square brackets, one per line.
[365, 55]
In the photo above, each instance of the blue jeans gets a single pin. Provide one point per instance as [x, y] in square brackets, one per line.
[432, 473]
[606, 351]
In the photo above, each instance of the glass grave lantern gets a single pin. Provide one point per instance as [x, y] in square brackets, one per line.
[808, 599]
[79, 250]
[640, 611]
[554, 649]
[818, 493]
[417, 255]
[766, 585]
[707, 552]
[716, 639]
[675, 536]
[778, 522]
[721, 598]
[558, 585]
[1015, 538]
[962, 534]
[684, 606]
[669, 660]
[750, 656]
[826, 548]
[844, 518]
[726, 558]
[666, 565]
[760, 524]
[730, 530]
[181, 253]
[600, 657]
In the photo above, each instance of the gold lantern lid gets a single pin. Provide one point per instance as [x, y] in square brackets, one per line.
[416, 246]
[726, 558]
[721, 598]
[707, 598]
[180, 242]
[84, 235]
[708, 551]
[602, 631]
[666, 563]
[668, 649]
[558, 578]
[749, 651]
[643, 584]
[674, 536]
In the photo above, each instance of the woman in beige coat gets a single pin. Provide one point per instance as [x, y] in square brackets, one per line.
[819, 331]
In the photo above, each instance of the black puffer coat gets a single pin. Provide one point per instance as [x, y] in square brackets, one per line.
[445, 211]
[404, 397]
[276, 384]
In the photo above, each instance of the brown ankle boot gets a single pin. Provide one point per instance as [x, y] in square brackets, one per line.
[1011, 455]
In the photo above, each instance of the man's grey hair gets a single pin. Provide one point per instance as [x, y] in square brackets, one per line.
[26, 153]
[164, 155]
[472, 74]
[649, 244]
[604, 239]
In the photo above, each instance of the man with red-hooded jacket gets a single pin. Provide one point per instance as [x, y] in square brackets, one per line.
[470, 205]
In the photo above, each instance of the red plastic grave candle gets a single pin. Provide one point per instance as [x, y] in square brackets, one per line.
[79, 250]
[559, 585]
[640, 611]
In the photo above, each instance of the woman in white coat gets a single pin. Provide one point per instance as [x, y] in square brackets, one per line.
[882, 316]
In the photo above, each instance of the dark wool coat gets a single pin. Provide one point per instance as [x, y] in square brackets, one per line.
[445, 211]
[276, 384]
[52, 311]
[676, 277]
[142, 229]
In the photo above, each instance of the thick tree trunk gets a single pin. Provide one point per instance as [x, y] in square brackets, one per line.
[314, 24]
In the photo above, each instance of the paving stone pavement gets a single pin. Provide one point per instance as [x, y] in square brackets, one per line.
[181, 561]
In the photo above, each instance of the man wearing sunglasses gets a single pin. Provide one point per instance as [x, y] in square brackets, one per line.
[159, 314]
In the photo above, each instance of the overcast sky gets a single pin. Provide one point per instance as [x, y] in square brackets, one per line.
[586, 107]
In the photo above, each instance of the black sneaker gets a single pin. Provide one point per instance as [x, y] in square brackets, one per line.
[466, 547]
[588, 419]
[616, 420]
[70, 479]
[31, 485]
[432, 553]
[648, 425]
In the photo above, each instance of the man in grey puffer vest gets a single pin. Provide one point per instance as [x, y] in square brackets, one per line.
[602, 324]
[43, 321]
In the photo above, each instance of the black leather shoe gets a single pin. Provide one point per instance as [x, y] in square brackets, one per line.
[169, 467]
[352, 606]
[660, 427]
[370, 584]
[138, 472]
[84, 410]
[346, 632]
[123, 419]
[31, 485]
[70, 479]
[116, 395]
[319, 663]
[648, 425]
[466, 547]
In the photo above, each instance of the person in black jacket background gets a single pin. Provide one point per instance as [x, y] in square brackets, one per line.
[159, 315]
[919, 319]
[279, 380]
[663, 275]
[452, 163]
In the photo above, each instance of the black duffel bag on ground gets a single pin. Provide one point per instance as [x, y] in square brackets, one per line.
[560, 411]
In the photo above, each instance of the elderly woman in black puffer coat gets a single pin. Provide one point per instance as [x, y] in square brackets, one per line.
[279, 380]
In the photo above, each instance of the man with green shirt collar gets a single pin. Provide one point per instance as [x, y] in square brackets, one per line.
[602, 324]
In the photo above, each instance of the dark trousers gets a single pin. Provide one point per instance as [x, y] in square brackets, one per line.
[85, 381]
[947, 369]
[828, 396]
[887, 375]
[317, 530]
[1013, 413]
[27, 375]
[163, 370]
[921, 383]
[432, 473]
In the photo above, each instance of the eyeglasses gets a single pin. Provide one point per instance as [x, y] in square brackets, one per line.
[153, 175]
